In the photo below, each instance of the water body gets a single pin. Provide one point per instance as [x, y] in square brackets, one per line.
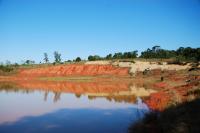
[38, 111]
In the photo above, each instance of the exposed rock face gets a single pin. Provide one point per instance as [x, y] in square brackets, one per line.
[76, 69]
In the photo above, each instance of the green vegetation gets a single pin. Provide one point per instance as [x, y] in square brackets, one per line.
[57, 57]
[119, 55]
[181, 54]
[125, 55]
[78, 59]
[8, 69]
[29, 62]
[156, 53]
[46, 59]
[95, 57]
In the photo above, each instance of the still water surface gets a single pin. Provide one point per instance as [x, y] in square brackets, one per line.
[39, 111]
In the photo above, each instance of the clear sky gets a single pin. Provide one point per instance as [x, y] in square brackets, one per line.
[28, 28]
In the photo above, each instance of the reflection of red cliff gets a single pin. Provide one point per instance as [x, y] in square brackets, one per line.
[76, 87]
[76, 69]
[158, 101]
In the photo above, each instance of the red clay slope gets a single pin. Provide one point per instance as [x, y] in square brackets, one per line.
[76, 69]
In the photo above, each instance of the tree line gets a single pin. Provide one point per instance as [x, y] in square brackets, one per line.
[156, 52]
[182, 54]
[119, 55]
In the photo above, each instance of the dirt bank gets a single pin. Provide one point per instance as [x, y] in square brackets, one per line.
[177, 87]
[76, 69]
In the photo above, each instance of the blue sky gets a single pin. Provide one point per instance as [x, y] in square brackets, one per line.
[28, 28]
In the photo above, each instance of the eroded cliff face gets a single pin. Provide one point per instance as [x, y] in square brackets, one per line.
[76, 69]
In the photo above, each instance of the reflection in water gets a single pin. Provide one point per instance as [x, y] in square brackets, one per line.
[56, 96]
[49, 107]
[119, 92]
[75, 121]
[46, 95]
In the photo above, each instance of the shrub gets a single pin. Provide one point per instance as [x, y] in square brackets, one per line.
[78, 59]
[6, 68]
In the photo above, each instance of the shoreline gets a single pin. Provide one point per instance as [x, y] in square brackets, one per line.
[171, 85]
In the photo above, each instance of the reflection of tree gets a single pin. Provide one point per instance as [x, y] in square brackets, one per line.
[78, 95]
[8, 86]
[109, 98]
[123, 98]
[56, 96]
[46, 95]
[117, 98]
[91, 97]
[112, 91]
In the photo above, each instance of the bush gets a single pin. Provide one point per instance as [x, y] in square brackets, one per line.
[94, 58]
[6, 68]
[78, 59]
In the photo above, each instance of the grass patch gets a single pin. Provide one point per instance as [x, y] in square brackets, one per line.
[8, 70]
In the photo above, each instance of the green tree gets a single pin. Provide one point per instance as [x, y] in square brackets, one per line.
[57, 57]
[29, 62]
[109, 56]
[156, 48]
[117, 55]
[90, 58]
[181, 54]
[46, 59]
[93, 58]
[78, 59]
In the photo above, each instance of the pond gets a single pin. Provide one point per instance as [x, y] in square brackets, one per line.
[43, 110]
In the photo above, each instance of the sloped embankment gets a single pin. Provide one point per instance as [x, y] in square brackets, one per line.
[76, 69]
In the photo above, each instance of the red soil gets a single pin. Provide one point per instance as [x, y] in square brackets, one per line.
[75, 69]
[160, 100]
[160, 85]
